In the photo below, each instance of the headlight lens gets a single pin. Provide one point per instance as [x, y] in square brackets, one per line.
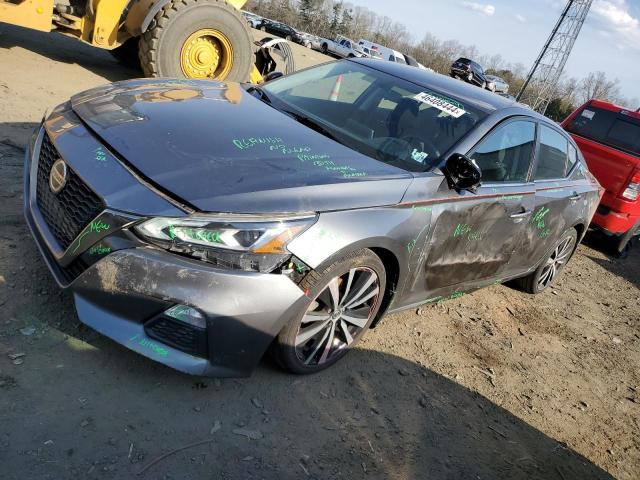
[235, 242]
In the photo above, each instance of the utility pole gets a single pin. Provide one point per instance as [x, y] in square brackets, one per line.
[539, 88]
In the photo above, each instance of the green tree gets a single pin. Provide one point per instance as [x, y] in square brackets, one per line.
[346, 23]
[306, 9]
[335, 19]
[558, 110]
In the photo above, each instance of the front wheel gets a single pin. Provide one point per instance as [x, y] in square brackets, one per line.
[325, 48]
[550, 268]
[470, 77]
[345, 298]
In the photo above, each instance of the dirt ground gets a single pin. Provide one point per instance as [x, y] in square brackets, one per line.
[497, 384]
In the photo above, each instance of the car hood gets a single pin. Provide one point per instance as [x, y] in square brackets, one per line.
[218, 148]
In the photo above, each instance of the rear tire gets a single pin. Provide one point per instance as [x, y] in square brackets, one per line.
[325, 48]
[470, 78]
[127, 53]
[553, 264]
[333, 323]
[624, 241]
[162, 48]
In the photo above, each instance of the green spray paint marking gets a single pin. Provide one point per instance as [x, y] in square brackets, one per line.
[99, 250]
[97, 226]
[413, 242]
[538, 218]
[154, 347]
[441, 299]
[101, 156]
[421, 208]
[464, 229]
[512, 197]
[245, 143]
[194, 234]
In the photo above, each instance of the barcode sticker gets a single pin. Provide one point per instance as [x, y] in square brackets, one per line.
[441, 103]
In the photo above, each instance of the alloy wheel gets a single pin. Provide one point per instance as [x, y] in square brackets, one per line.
[555, 262]
[337, 316]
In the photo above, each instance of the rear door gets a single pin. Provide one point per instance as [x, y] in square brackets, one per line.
[610, 143]
[559, 201]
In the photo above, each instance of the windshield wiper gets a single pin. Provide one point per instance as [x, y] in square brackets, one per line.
[311, 123]
[262, 94]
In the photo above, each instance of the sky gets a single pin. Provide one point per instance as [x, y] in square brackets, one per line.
[517, 30]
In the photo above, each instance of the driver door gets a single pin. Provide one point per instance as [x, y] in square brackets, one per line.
[475, 235]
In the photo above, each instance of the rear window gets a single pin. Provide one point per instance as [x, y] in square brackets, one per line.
[609, 128]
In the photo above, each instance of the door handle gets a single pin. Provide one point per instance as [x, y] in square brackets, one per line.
[521, 215]
[576, 196]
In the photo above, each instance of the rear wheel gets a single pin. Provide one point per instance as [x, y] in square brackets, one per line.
[470, 77]
[325, 48]
[346, 296]
[197, 39]
[548, 270]
[622, 244]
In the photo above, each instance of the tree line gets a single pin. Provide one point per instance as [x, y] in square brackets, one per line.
[328, 18]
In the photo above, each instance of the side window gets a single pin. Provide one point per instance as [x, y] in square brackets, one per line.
[552, 158]
[573, 158]
[505, 155]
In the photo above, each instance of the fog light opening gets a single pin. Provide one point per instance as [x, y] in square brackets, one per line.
[186, 314]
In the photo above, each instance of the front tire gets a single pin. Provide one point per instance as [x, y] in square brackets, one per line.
[197, 39]
[345, 298]
[550, 268]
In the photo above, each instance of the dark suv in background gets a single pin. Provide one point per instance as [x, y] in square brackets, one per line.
[469, 71]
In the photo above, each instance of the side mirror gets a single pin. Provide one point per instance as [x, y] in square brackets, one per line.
[272, 76]
[463, 173]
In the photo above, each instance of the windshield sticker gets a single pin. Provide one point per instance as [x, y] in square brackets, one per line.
[588, 114]
[443, 104]
[419, 157]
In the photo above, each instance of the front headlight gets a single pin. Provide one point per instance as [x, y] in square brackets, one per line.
[228, 241]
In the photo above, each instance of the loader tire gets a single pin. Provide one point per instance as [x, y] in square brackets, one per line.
[127, 53]
[166, 49]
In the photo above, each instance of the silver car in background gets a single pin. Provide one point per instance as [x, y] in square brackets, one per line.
[497, 84]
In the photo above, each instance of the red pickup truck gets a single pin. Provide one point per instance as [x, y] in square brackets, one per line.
[609, 138]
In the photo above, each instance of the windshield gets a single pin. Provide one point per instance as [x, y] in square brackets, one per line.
[379, 115]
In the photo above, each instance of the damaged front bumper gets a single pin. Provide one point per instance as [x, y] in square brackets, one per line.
[123, 288]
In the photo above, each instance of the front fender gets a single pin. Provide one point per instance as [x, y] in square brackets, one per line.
[389, 228]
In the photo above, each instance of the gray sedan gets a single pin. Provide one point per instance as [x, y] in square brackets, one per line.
[201, 224]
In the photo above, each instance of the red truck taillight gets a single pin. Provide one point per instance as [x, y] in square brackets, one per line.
[632, 192]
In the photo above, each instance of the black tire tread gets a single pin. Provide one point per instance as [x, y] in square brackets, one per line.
[149, 40]
[528, 284]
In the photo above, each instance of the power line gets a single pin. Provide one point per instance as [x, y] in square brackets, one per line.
[542, 81]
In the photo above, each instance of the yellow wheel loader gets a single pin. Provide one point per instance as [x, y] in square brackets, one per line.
[167, 38]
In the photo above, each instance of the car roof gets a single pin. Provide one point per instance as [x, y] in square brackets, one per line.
[482, 99]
